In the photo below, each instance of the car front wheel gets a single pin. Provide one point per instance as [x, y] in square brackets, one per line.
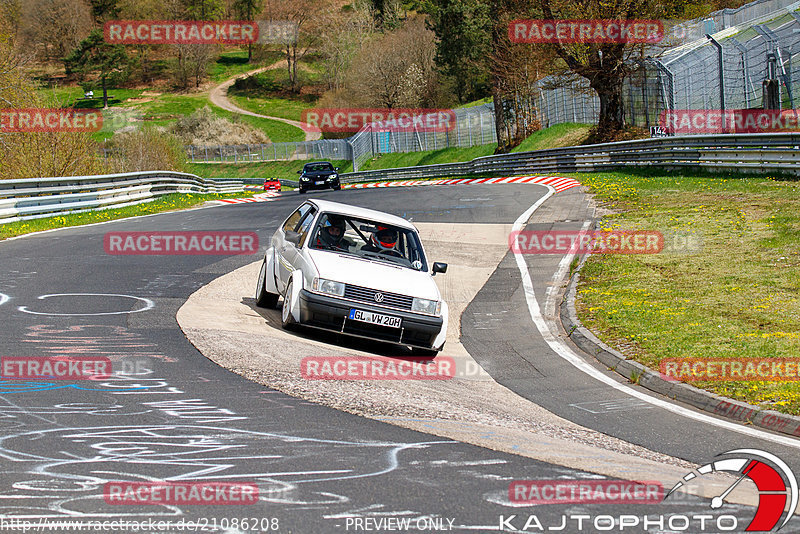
[264, 299]
[287, 321]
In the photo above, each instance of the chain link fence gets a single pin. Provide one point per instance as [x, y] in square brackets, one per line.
[473, 126]
[337, 149]
[717, 62]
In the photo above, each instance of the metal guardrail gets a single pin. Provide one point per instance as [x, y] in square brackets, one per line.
[775, 152]
[45, 197]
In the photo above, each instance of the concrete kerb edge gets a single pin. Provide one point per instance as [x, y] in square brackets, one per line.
[637, 373]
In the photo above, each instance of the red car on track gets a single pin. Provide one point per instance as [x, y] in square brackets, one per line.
[272, 185]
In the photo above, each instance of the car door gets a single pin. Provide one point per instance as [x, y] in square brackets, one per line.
[285, 251]
[293, 253]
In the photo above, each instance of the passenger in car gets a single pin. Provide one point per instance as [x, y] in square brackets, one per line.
[383, 241]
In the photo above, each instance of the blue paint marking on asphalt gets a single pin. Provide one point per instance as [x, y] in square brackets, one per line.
[17, 386]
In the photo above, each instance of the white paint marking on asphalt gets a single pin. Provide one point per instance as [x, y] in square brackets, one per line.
[565, 352]
[611, 405]
[148, 304]
[4, 298]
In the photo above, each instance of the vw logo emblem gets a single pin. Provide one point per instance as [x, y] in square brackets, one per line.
[378, 297]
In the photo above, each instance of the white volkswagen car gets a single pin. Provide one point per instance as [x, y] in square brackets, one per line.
[354, 271]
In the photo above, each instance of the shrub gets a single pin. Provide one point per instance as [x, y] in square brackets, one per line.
[204, 128]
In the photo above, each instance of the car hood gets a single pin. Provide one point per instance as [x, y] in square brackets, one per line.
[374, 275]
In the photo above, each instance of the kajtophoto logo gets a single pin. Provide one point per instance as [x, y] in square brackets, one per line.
[730, 369]
[181, 31]
[776, 485]
[31, 120]
[380, 119]
[586, 31]
[180, 243]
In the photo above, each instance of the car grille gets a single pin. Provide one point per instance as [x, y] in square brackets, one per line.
[365, 294]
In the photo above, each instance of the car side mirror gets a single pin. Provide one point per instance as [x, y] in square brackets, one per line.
[336, 168]
[299, 172]
[439, 267]
[293, 238]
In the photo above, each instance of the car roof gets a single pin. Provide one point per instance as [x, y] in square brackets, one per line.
[319, 163]
[364, 213]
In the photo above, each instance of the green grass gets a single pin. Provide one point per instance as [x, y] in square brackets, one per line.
[234, 62]
[474, 103]
[166, 203]
[429, 157]
[560, 135]
[736, 298]
[277, 170]
[273, 107]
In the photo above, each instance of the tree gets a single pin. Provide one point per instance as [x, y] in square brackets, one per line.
[54, 27]
[463, 31]
[515, 68]
[92, 55]
[104, 9]
[204, 9]
[341, 42]
[604, 65]
[310, 17]
[396, 69]
[247, 10]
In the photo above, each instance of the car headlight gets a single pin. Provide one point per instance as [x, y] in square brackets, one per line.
[327, 287]
[429, 307]
[304, 178]
[333, 176]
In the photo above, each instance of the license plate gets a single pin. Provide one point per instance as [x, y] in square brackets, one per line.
[375, 318]
[320, 183]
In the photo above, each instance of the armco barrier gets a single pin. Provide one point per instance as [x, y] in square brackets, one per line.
[46, 197]
[772, 152]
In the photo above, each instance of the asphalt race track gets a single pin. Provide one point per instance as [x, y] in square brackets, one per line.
[171, 414]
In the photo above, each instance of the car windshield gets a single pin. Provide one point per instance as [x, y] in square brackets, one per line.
[318, 167]
[368, 239]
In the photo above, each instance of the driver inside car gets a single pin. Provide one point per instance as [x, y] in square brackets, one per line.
[331, 234]
[383, 241]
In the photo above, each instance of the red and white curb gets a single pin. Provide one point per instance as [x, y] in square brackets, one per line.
[558, 183]
[261, 197]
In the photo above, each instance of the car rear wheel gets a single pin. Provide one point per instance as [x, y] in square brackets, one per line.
[265, 299]
[287, 321]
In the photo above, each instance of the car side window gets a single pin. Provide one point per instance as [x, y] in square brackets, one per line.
[305, 226]
[294, 219]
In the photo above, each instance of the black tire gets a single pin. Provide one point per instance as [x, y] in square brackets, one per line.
[287, 321]
[265, 299]
[337, 188]
[301, 191]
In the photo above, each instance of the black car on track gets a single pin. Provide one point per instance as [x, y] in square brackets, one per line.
[319, 175]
